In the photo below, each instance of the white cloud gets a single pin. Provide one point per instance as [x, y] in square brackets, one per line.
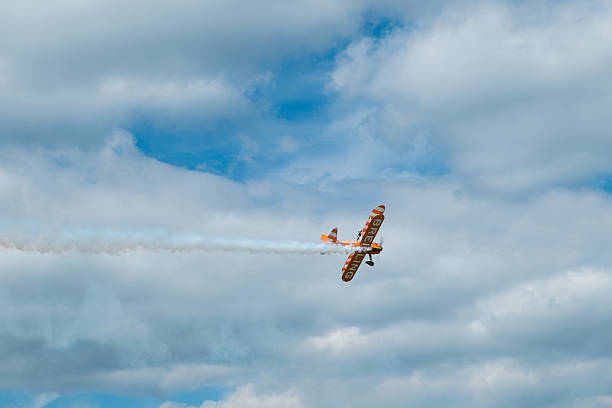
[42, 400]
[467, 283]
[160, 379]
[172, 404]
[201, 96]
[512, 98]
[344, 339]
[567, 305]
[246, 397]
[502, 382]
[501, 374]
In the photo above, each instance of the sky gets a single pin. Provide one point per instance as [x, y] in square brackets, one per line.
[482, 126]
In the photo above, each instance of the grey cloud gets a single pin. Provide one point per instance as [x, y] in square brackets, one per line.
[68, 74]
[190, 35]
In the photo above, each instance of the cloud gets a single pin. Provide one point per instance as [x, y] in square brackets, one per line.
[79, 71]
[82, 114]
[500, 382]
[339, 340]
[468, 288]
[199, 83]
[541, 311]
[491, 89]
[246, 397]
[43, 399]
[478, 300]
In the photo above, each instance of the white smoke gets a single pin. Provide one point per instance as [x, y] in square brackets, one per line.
[116, 242]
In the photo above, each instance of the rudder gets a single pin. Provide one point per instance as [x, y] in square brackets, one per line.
[332, 237]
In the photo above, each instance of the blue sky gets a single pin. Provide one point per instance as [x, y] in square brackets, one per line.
[483, 126]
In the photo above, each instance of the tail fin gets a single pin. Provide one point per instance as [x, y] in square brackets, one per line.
[332, 237]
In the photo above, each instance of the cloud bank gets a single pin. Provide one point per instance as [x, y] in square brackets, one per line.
[474, 299]
[482, 127]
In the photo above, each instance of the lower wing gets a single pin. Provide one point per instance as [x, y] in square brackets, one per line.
[351, 265]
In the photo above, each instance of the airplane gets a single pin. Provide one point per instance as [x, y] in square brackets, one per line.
[365, 240]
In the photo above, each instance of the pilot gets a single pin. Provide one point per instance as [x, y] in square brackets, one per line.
[359, 235]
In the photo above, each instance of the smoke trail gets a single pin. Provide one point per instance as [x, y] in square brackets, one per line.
[116, 243]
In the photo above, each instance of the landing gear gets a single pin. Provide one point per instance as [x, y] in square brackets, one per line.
[370, 262]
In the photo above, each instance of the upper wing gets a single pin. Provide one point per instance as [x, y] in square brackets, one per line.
[372, 226]
[351, 265]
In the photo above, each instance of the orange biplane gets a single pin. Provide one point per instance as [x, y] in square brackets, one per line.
[365, 243]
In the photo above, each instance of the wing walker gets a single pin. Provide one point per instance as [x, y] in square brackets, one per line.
[364, 245]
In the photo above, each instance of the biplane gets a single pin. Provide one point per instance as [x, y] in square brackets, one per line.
[364, 245]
